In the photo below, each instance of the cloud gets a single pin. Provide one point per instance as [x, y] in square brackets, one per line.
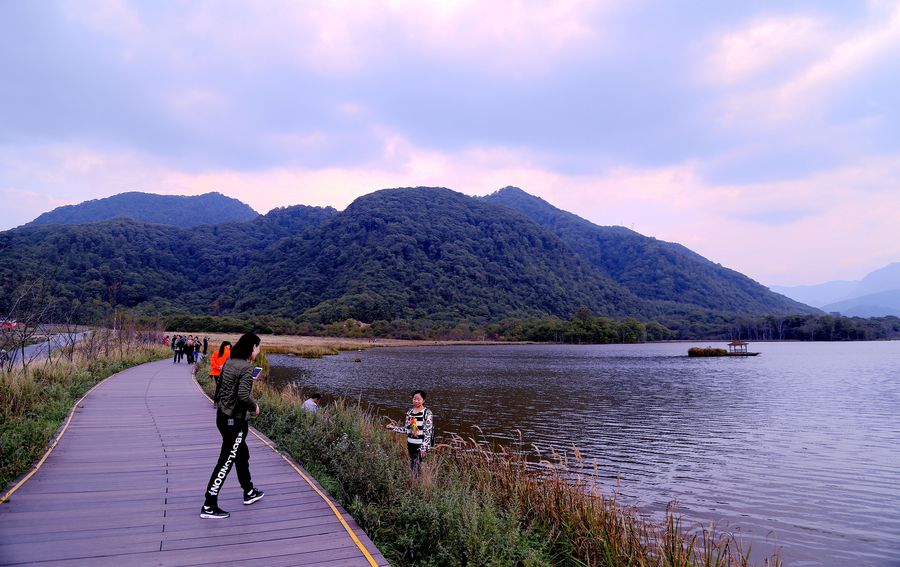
[802, 67]
[761, 47]
[343, 37]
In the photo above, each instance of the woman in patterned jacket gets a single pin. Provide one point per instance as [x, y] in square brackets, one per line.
[419, 429]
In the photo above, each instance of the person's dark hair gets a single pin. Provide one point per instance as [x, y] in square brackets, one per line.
[243, 349]
[222, 347]
[316, 396]
[421, 393]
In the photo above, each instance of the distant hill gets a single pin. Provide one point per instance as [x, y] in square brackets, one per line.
[423, 254]
[818, 295]
[175, 210]
[878, 304]
[652, 269]
[876, 295]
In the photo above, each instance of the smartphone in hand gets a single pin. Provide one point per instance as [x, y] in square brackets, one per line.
[256, 372]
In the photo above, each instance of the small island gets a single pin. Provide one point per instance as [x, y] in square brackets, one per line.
[736, 347]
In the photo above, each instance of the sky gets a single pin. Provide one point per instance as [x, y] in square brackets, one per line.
[762, 135]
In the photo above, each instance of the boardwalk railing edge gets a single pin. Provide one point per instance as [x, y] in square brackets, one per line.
[314, 485]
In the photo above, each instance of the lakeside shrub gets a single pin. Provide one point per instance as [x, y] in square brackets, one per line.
[471, 504]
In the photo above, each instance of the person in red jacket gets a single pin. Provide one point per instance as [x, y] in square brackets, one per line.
[216, 362]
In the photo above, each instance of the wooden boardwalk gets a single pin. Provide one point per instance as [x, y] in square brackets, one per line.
[125, 484]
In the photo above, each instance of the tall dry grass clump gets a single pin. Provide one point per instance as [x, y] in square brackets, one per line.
[315, 351]
[34, 401]
[474, 504]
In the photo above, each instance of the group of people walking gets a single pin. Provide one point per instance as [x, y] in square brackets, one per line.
[190, 347]
[232, 369]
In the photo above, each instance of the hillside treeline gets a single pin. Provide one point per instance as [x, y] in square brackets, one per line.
[583, 328]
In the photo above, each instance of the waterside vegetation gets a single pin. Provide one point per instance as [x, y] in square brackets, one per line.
[474, 504]
[705, 352]
[581, 328]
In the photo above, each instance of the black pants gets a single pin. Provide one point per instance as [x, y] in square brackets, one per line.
[415, 457]
[234, 453]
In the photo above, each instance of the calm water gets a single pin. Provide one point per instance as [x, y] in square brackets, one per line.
[797, 448]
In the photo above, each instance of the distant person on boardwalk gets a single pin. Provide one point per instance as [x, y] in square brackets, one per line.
[419, 428]
[189, 349]
[216, 361]
[179, 349]
[205, 345]
[232, 412]
[312, 404]
[166, 341]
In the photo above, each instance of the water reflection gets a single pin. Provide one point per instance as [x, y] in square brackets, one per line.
[799, 444]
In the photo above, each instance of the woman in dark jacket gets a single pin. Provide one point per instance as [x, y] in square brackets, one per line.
[235, 402]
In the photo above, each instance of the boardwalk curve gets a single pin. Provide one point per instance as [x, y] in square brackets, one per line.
[125, 483]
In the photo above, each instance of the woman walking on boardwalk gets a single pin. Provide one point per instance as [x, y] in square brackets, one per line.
[419, 429]
[233, 407]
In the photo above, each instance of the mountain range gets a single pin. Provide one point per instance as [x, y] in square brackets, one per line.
[395, 254]
[876, 295]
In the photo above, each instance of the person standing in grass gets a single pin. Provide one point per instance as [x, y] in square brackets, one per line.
[419, 429]
[216, 362]
[235, 404]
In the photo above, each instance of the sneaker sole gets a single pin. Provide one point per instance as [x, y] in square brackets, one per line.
[213, 516]
[252, 500]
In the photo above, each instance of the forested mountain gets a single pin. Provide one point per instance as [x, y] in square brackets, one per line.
[652, 269]
[423, 254]
[427, 253]
[155, 268]
[175, 210]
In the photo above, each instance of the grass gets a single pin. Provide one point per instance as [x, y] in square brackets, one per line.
[34, 402]
[473, 504]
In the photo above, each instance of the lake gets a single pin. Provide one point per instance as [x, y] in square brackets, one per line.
[797, 448]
